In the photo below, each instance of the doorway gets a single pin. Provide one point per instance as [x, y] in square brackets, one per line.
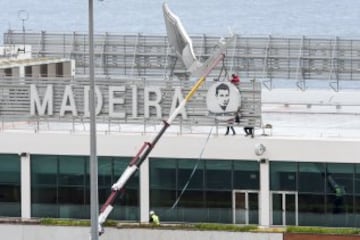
[245, 207]
[284, 208]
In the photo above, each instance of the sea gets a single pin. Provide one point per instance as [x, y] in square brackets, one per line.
[215, 17]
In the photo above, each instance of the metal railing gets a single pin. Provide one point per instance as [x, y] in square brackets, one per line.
[268, 58]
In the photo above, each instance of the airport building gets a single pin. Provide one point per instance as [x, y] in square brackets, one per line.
[301, 167]
[295, 182]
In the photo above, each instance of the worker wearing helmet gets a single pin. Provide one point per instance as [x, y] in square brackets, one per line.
[154, 219]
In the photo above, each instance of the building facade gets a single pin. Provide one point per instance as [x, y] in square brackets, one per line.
[308, 182]
[189, 177]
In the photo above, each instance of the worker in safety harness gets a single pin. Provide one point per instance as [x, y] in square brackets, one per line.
[154, 219]
[235, 79]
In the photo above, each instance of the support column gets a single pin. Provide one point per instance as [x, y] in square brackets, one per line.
[144, 191]
[25, 185]
[264, 199]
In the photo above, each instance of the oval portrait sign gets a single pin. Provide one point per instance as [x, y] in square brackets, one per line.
[223, 99]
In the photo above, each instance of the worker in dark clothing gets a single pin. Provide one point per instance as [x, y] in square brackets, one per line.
[249, 131]
[230, 126]
[154, 219]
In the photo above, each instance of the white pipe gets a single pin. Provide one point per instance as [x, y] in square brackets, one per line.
[103, 216]
[176, 112]
[124, 177]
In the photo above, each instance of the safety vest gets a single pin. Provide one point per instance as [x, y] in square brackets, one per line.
[155, 219]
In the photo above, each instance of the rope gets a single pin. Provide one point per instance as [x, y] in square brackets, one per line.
[193, 171]
[223, 67]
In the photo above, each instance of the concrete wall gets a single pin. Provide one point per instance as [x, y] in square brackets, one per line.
[37, 232]
[187, 146]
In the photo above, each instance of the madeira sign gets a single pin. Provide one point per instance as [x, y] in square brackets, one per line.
[117, 105]
[128, 99]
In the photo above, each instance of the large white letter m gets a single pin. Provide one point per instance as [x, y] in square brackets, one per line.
[35, 103]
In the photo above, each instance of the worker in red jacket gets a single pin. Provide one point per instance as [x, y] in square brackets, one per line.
[235, 79]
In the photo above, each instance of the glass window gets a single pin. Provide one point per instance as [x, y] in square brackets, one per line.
[246, 175]
[163, 173]
[43, 170]
[356, 217]
[219, 205]
[340, 178]
[10, 199]
[105, 172]
[208, 193]
[311, 177]
[192, 199]
[71, 195]
[43, 194]
[357, 206]
[163, 193]
[60, 186]
[218, 174]
[71, 170]
[311, 210]
[339, 210]
[219, 178]
[283, 176]
[162, 198]
[9, 169]
[218, 199]
[357, 178]
[339, 206]
[120, 164]
[105, 180]
[190, 172]
[71, 188]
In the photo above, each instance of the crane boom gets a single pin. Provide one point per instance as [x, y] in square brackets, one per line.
[181, 42]
[147, 147]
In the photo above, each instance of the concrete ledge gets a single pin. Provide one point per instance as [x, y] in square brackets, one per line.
[40, 232]
[19, 221]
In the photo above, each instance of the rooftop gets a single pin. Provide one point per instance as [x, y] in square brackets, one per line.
[291, 113]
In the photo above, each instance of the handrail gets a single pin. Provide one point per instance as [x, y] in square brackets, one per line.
[290, 58]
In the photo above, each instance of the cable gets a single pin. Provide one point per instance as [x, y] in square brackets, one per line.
[223, 68]
[193, 171]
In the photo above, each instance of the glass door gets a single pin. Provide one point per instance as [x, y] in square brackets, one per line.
[245, 207]
[284, 208]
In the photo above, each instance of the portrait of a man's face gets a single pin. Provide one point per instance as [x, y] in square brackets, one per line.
[222, 94]
[223, 98]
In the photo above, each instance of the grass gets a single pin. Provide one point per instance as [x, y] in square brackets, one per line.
[224, 227]
[200, 226]
[205, 227]
[71, 222]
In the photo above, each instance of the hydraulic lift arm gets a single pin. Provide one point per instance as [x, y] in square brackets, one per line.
[147, 147]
